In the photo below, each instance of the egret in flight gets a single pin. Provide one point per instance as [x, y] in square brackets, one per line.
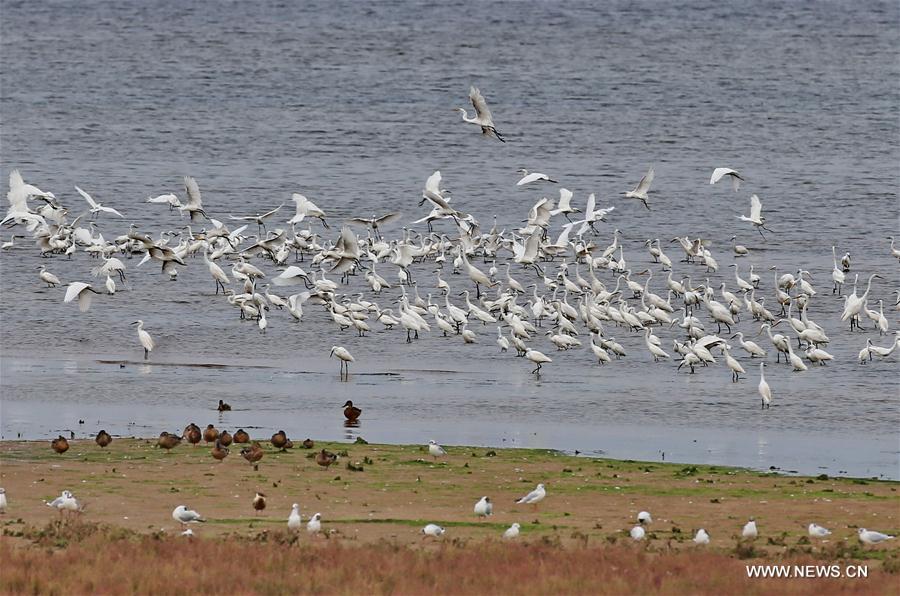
[529, 177]
[95, 206]
[482, 115]
[643, 187]
[756, 217]
[720, 173]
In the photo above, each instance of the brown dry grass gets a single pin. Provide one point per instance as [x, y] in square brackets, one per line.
[105, 560]
[574, 542]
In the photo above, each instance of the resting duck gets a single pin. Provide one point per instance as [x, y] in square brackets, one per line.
[103, 438]
[351, 412]
[325, 458]
[225, 438]
[223, 407]
[60, 445]
[192, 434]
[210, 434]
[279, 440]
[241, 436]
[168, 440]
[308, 444]
[253, 454]
[219, 451]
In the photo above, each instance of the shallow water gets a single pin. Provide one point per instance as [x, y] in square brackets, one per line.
[350, 105]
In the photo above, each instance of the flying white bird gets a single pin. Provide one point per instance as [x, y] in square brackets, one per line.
[529, 177]
[643, 187]
[720, 173]
[194, 204]
[95, 206]
[306, 208]
[167, 199]
[756, 217]
[82, 292]
[482, 115]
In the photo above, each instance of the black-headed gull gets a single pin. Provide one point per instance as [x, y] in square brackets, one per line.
[750, 530]
[817, 531]
[185, 516]
[872, 537]
[483, 507]
[637, 533]
[315, 524]
[433, 530]
[534, 497]
[701, 537]
[294, 519]
[512, 532]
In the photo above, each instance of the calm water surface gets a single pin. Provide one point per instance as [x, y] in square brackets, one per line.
[350, 104]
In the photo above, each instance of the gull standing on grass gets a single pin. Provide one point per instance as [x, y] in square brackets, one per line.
[433, 530]
[294, 520]
[701, 537]
[185, 516]
[750, 530]
[534, 497]
[315, 524]
[872, 537]
[638, 533]
[483, 507]
[435, 450]
[512, 532]
[2, 500]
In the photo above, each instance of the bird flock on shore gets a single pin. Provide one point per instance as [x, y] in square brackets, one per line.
[559, 276]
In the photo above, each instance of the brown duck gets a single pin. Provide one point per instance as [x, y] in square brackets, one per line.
[279, 440]
[60, 444]
[325, 458]
[253, 454]
[308, 444]
[168, 440]
[241, 436]
[219, 452]
[225, 438]
[210, 434]
[351, 412]
[223, 407]
[192, 434]
[259, 501]
[103, 439]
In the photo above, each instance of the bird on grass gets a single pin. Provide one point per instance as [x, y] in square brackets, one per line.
[512, 532]
[433, 530]
[295, 521]
[325, 458]
[483, 507]
[534, 497]
[60, 444]
[253, 454]
[103, 438]
[186, 516]
[435, 450]
[259, 501]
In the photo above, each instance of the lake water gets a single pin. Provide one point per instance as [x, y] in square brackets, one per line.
[350, 104]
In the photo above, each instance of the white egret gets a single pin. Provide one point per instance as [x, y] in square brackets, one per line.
[48, 278]
[146, 341]
[306, 208]
[482, 117]
[538, 358]
[643, 187]
[853, 304]
[82, 292]
[720, 173]
[345, 358]
[765, 392]
[95, 206]
[756, 217]
[529, 177]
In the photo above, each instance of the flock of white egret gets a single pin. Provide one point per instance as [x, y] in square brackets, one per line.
[554, 277]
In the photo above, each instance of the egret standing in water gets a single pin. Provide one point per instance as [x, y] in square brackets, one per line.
[344, 356]
[764, 391]
[145, 339]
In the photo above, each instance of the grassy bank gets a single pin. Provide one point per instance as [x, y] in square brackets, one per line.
[376, 498]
